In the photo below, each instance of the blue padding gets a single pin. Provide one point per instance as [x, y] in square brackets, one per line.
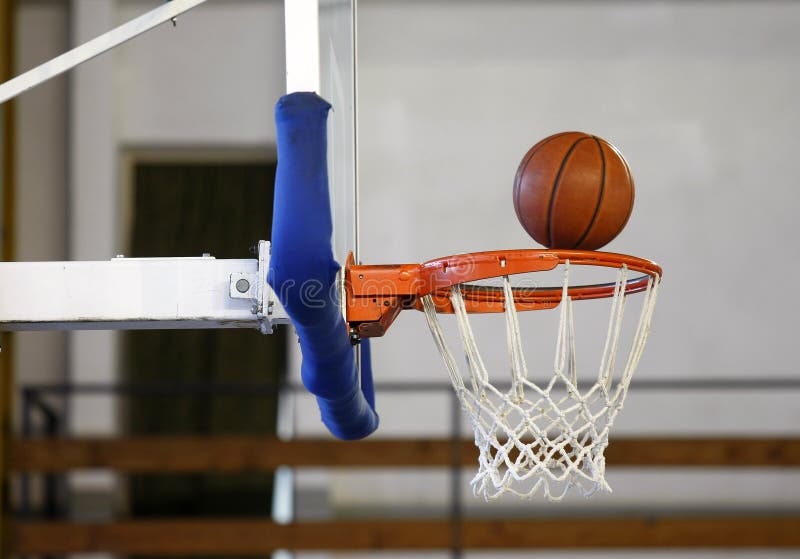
[303, 270]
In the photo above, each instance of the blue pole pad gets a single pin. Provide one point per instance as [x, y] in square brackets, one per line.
[303, 270]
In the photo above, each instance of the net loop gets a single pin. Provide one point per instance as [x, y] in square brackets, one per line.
[543, 437]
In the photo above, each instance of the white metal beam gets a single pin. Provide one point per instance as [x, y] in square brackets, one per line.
[139, 293]
[95, 47]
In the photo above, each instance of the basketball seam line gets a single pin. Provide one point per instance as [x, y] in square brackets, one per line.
[555, 189]
[632, 189]
[521, 171]
[599, 197]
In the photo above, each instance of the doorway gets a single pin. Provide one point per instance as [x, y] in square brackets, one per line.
[186, 208]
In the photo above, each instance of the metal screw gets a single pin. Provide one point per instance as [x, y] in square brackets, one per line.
[242, 286]
[206, 255]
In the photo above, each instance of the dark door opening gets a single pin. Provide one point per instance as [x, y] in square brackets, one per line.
[187, 209]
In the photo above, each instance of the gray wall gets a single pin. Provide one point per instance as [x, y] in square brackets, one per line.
[699, 96]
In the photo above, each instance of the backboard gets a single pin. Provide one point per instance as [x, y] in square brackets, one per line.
[320, 57]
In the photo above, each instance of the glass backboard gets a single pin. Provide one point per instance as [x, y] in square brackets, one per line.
[320, 57]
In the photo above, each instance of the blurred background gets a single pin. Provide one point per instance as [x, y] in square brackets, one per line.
[166, 147]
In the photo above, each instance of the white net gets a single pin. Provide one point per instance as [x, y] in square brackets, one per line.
[549, 438]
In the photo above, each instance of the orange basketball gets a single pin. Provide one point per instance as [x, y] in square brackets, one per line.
[573, 191]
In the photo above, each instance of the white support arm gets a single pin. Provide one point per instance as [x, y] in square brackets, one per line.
[302, 45]
[139, 293]
[95, 47]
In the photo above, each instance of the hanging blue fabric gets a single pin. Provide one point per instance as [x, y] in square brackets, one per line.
[303, 270]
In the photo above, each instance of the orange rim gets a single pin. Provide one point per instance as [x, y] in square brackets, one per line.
[375, 295]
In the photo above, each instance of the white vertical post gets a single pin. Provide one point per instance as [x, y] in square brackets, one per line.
[302, 45]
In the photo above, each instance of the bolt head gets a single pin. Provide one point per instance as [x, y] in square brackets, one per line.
[242, 285]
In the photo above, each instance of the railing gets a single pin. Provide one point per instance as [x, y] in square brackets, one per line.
[53, 456]
[258, 537]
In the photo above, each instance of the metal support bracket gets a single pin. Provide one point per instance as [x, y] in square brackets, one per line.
[254, 288]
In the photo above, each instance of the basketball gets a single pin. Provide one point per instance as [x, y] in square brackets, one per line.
[573, 191]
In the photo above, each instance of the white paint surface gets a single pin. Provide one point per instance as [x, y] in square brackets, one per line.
[134, 293]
